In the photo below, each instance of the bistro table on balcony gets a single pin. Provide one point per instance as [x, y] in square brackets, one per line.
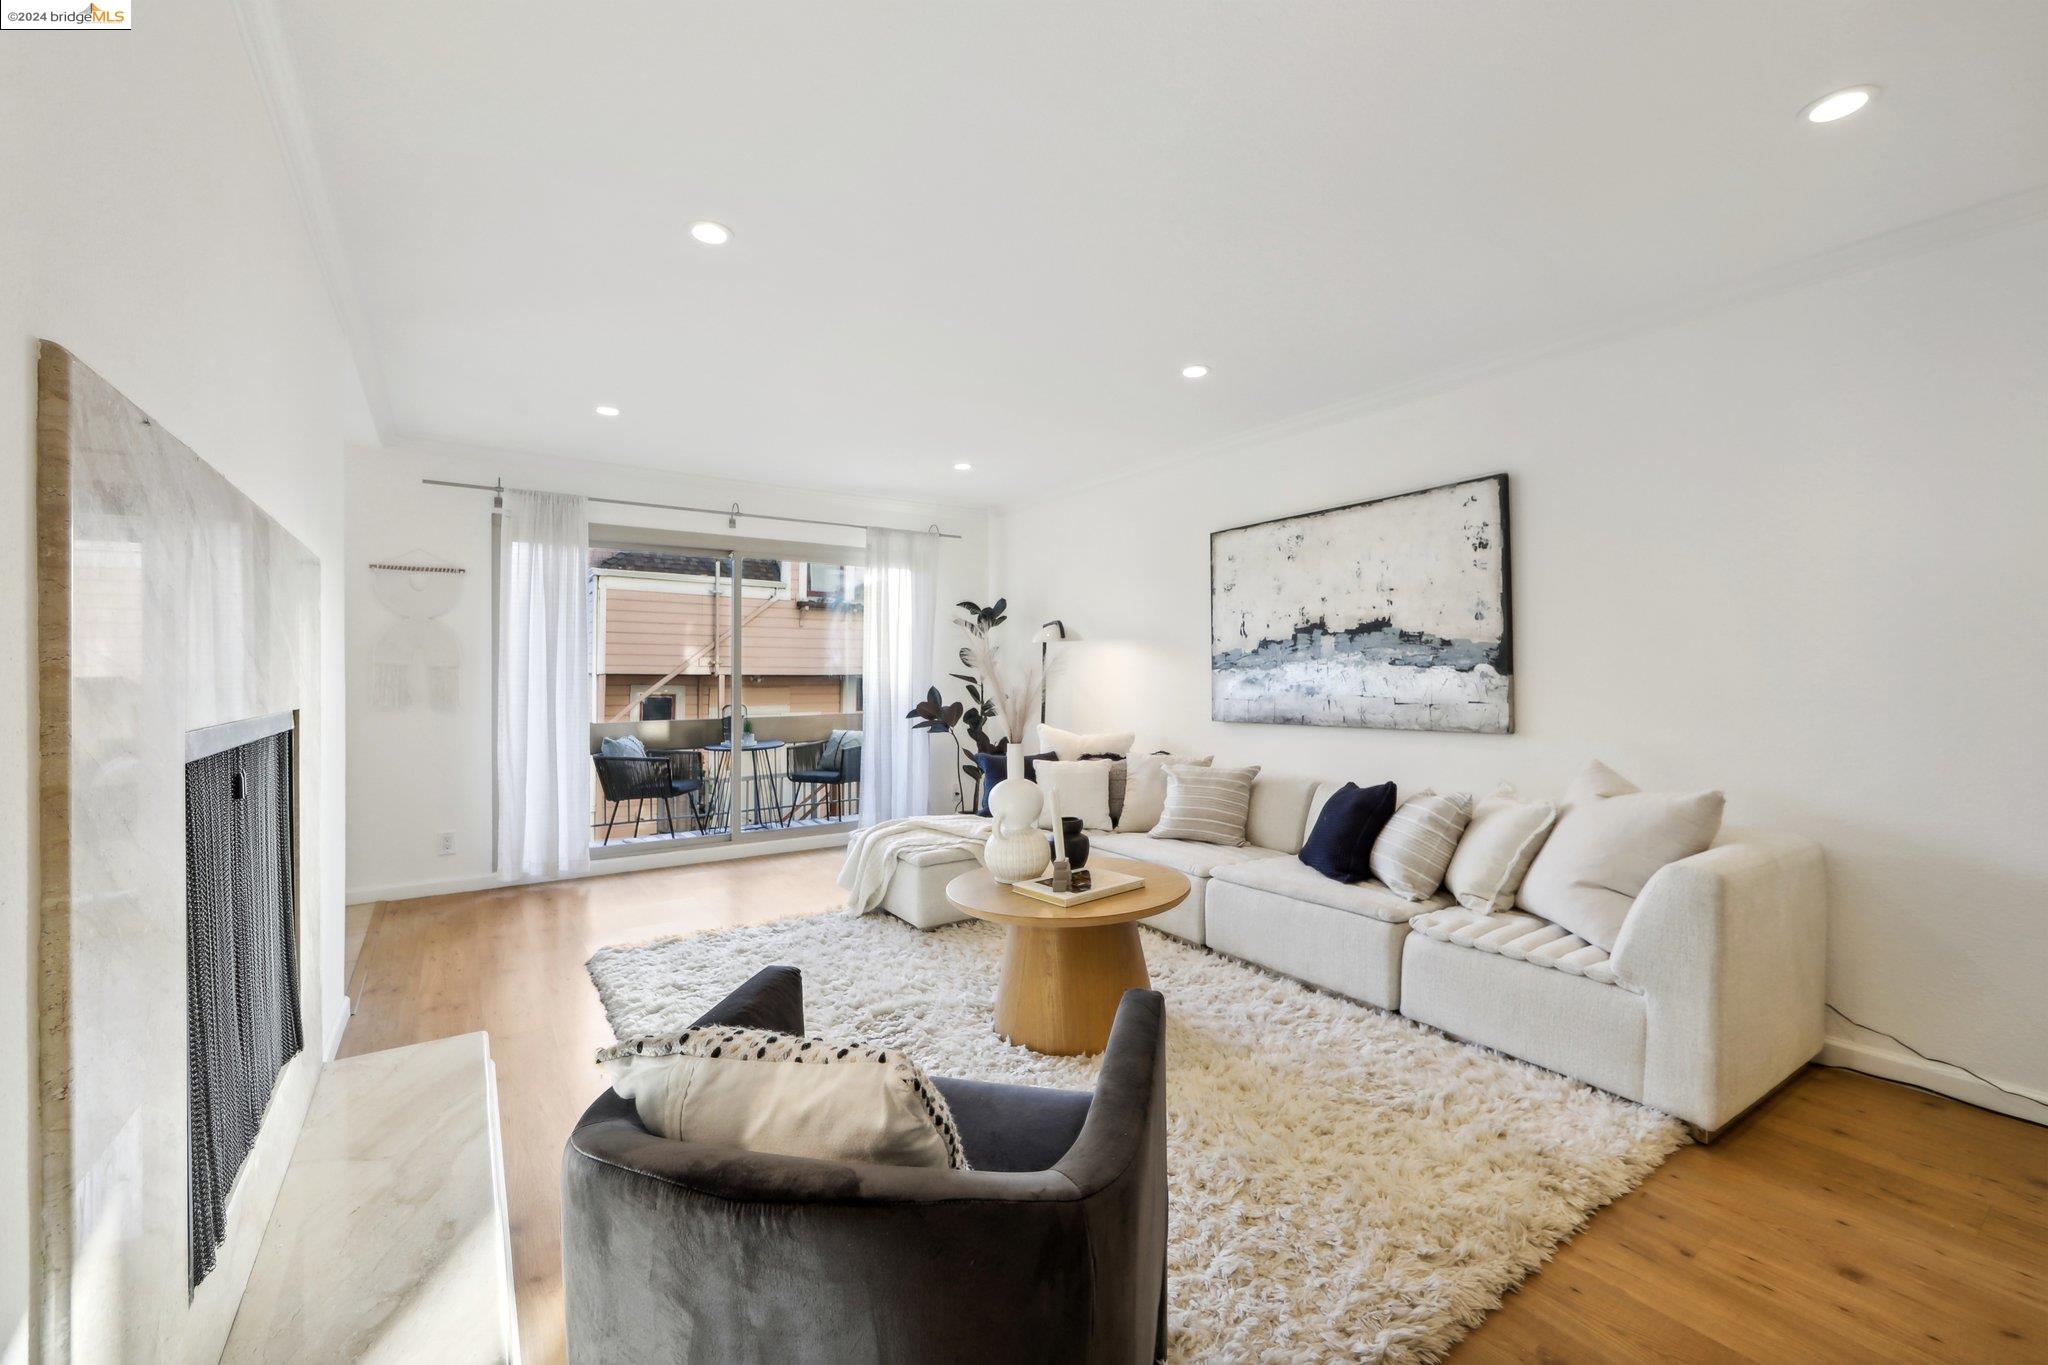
[722, 775]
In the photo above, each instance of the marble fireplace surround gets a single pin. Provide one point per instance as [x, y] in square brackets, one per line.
[168, 602]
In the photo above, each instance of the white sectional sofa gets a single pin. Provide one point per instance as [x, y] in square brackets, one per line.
[1712, 996]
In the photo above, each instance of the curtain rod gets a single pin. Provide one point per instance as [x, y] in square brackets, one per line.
[731, 514]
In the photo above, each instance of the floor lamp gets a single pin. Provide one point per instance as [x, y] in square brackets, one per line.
[1047, 633]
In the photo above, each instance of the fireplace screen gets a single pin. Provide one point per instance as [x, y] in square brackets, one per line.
[242, 977]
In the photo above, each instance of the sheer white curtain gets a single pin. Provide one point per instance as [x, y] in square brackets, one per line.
[543, 686]
[896, 645]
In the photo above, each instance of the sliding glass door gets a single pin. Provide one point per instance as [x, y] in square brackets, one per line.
[799, 686]
[726, 695]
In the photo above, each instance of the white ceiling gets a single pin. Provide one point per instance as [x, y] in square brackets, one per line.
[995, 231]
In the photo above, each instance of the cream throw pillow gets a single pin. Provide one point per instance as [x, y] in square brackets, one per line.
[770, 1092]
[1496, 849]
[1071, 746]
[1609, 841]
[1145, 790]
[1206, 805]
[1078, 789]
[1412, 852]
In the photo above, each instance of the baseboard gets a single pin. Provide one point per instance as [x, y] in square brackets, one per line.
[599, 867]
[337, 1025]
[1885, 1059]
[405, 891]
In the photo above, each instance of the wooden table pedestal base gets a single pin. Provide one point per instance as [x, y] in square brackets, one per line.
[1061, 987]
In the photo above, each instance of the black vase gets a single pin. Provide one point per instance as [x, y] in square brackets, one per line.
[1077, 842]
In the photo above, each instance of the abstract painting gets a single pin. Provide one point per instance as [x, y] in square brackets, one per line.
[1392, 614]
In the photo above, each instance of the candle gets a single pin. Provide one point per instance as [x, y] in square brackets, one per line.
[1059, 835]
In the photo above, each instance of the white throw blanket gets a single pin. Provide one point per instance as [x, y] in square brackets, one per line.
[872, 853]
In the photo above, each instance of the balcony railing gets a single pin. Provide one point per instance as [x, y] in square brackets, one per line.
[757, 788]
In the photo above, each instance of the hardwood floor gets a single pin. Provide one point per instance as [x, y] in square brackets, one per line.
[1848, 1219]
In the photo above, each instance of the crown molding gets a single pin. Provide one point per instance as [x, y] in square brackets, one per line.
[1870, 253]
[277, 81]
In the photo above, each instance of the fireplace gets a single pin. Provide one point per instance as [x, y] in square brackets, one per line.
[242, 975]
[182, 1001]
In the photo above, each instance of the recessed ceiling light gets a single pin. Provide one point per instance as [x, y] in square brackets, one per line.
[1193, 371]
[962, 466]
[1839, 105]
[605, 410]
[711, 234]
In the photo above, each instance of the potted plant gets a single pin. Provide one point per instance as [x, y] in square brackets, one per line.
[990, 700]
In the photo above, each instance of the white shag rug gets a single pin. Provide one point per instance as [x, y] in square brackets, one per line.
[1344, 1183]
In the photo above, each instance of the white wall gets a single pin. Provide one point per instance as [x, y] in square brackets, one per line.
[147, 223]
[1793, 550]
[417, 772]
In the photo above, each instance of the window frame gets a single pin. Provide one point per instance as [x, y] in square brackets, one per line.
[734, 551]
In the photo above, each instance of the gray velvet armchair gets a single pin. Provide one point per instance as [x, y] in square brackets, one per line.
[1053, 1248]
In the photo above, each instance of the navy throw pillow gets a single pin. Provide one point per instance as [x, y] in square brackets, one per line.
[996, 767]
[1342, 839]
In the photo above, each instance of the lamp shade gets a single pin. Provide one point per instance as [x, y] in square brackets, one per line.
[1053, 631]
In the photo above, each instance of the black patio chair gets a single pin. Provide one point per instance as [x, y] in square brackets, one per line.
[830, 768]
[658, 777]
[689, 781]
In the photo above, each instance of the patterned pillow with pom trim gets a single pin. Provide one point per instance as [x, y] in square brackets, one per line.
[786, 1094]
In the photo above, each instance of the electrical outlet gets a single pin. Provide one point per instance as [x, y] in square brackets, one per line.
[447, 842]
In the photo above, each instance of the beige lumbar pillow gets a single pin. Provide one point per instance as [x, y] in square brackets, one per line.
[1609, 841]
[1206, 805]
[777, 1092]
[1145, 790]
[1496, 849]
[1074, 789]
[1071, 746]
[1412, 853]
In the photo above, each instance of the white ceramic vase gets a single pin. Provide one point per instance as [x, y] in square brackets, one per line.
[1017, 849]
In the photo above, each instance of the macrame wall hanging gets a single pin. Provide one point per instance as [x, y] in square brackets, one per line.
[416, 657]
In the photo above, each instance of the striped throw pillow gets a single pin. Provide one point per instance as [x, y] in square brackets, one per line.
[1415, 848]
[1206, 805]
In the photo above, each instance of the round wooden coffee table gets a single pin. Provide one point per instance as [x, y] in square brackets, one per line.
[1065, 970]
